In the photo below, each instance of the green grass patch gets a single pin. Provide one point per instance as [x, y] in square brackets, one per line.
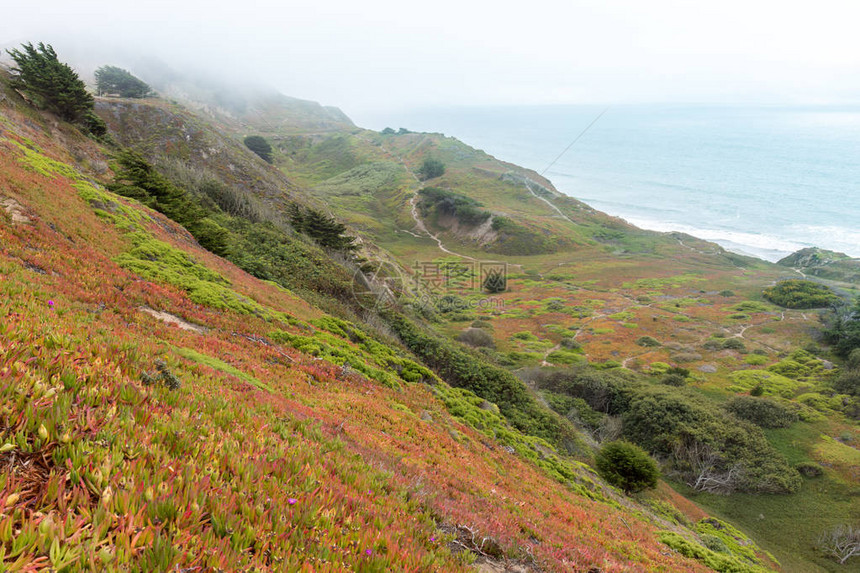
[771, 382]
[566, 357]
[721, 562]
[158, 261]
[221, 366]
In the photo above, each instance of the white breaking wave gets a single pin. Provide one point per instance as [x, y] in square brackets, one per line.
[837, 238]
[767, 247]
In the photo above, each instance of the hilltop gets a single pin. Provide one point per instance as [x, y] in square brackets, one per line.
[824, 264]
[429, 400]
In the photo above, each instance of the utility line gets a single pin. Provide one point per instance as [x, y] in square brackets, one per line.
[583, 132]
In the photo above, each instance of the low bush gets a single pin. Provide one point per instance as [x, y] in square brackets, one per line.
[843, 330]
[853, 360]
[762, 412]
[431, 168]
[138, 179]
[476, 337]
[469, 370]
[161, 376]
[809, 469]
[798, 293]
[848, 382]
[514, 239]
[700, 438]
[734, 344]
[465, 209]
[627, 466]
[674, 380]
[714, 543]
[648, 341]
[756, 360]
[686, 356]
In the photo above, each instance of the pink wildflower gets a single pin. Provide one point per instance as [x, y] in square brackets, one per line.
[292, 501]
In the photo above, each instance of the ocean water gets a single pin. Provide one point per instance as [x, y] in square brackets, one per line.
[761, 180]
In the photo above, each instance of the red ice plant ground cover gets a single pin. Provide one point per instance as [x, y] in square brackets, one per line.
[262, 458]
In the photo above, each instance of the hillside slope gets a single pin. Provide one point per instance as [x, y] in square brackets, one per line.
[152, 420]
[167, 409]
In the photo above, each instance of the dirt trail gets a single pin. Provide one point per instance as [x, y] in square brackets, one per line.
[543, 361]
[548, 202]
[419, 224]
[413, 204]
[173, 319]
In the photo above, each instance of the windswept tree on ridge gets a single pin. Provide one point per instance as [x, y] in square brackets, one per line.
[54, 86]
[114, 80]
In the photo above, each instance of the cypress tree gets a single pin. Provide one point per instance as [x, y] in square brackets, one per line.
[114, 80]
[51, 84]
[260, 146]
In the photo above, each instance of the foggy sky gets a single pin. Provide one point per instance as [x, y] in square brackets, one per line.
[376, 54]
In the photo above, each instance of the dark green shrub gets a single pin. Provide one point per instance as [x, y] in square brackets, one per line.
[762, 412]
[734, 344]
[648, 341]
[513, 238]
[843, 330]
[211, 236]
[465, 209]
[758, 390]
[584, 414]
[604, 391]
[848, 382]
[570, 343]
[94, 124]
[430, 169]
[680, 425]
[809, 469]
[476, 337]
[462, 368]
[162, 376]
[674, 380]
[269, 253]
[853, 360]
[259, 146]
[680, 370]
[322, 228]
[714, 543]
[797, 293]
[677, 424]
[627, 466]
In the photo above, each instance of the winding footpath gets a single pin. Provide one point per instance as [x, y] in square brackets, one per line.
[548, 202]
